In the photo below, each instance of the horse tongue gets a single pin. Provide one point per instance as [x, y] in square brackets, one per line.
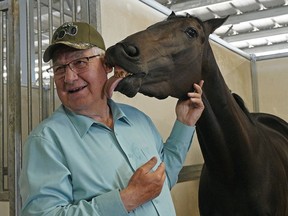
[110, 85]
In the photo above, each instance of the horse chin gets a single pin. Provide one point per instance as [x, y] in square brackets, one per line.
[153, 94]
[129, 86]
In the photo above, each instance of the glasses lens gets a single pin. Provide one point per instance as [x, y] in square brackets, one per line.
[79, 64]
[57, 70]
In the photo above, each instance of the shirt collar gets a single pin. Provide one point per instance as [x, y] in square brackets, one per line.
[83, 123]
[118, 113]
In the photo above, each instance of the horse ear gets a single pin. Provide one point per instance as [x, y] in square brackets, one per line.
[212, 24]
[172, 15]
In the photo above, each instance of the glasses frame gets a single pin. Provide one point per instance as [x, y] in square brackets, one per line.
[52, 70]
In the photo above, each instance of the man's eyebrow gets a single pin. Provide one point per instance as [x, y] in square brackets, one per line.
[77, 55]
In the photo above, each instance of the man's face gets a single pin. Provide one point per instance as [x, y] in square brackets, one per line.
[80, 90]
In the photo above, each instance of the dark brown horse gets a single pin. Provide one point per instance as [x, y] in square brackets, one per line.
[246, 154]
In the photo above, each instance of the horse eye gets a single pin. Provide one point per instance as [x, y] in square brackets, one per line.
[191, 32]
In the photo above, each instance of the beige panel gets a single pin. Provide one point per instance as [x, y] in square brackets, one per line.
[24, 107]
[185, 196]
[236, 71]
[121, 18]
[4, 208]
[273, 86]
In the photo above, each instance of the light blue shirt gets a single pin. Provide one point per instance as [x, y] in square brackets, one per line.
[74, 165]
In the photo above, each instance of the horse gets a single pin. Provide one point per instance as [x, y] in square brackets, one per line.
[245, 169]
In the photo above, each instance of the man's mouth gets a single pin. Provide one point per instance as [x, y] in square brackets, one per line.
[74, 90]
[112, 82]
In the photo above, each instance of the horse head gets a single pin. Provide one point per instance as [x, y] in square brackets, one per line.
[163, 60]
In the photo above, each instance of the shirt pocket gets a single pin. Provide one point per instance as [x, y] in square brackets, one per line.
[148, 152]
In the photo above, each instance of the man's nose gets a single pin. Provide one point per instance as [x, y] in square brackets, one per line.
[70, 75]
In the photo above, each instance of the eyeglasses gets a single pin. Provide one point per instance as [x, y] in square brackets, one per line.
[78, 66]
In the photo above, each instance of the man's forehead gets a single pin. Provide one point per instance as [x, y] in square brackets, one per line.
[69, 52]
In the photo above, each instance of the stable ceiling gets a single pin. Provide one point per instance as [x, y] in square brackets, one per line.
[254, 26]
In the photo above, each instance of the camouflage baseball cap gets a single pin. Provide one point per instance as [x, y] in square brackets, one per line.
[79, 35]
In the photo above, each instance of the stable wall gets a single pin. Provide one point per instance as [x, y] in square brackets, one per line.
[272, 81]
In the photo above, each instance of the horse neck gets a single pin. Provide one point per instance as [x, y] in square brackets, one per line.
[221, 122]
[213, 78]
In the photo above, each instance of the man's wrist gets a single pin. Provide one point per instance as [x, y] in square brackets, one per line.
[127, 199]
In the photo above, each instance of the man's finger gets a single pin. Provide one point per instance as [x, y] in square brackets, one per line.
[198, 87]
[201, 83]
[147, 167]
[160, 172]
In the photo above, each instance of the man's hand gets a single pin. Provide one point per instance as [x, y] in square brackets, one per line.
[189, 111]
[144, 185]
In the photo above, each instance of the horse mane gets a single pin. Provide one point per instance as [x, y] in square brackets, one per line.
[241, 104]
[271, 121]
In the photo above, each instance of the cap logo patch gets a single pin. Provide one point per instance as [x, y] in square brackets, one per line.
[69, 29]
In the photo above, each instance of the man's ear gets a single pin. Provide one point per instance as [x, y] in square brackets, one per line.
[105, 66]
[107, 69]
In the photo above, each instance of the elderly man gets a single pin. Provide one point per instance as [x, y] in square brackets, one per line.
[94, 156]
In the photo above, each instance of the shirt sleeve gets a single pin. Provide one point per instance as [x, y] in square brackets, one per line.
[175, 150]
[46, 188]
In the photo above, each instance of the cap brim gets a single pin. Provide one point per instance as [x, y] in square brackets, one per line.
[47, 56]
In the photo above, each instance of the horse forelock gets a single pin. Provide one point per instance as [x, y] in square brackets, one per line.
[174, 16]
[179, 16]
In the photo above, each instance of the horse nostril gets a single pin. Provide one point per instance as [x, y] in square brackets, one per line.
[131, 51]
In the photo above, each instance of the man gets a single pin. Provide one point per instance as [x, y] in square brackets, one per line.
[94, 156]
